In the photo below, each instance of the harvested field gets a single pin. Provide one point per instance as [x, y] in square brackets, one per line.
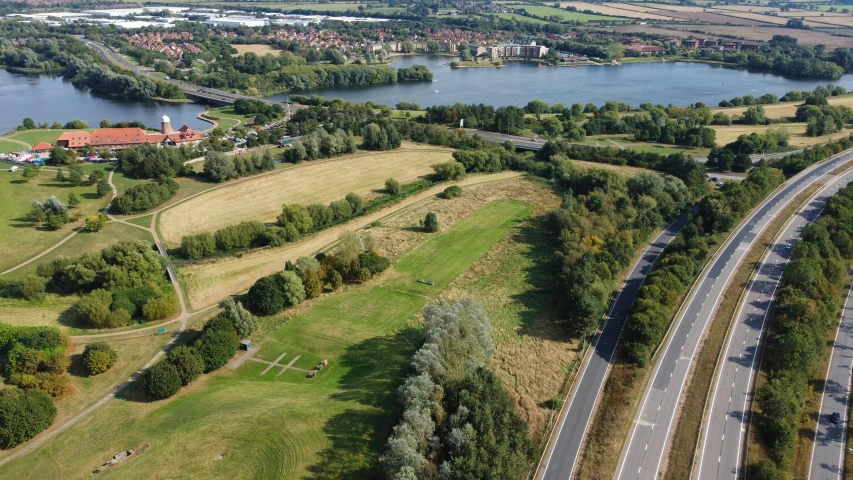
[751, 33]
[799, 139]
[721, 17]
[258, 49]
[617, 9]
[672, 7]
[261, 197]
[755, 16]
[749, 8]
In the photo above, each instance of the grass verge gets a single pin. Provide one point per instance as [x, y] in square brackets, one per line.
[689, 422]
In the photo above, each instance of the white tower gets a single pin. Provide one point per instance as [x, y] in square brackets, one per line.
[166, 125]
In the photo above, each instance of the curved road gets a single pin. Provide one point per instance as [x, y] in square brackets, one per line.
[564, 448]
[648, 442]
[830, 439]
[728, 414]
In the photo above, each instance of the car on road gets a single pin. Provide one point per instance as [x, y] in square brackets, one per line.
[835, 418]
[713, 179]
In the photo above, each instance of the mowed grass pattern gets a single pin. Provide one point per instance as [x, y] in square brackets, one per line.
[238, 425]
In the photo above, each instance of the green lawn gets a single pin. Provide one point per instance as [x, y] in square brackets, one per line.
[33, 137]
[520, 18]
[543, 11]
[7, 147]
[243, 425]
[226, 118]
[19, 238]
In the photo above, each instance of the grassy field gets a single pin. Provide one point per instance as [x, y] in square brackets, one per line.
[87, 241]
[787, 109]
[7, 147]
[728, 134]
[19, 238]
[33, 137]
[261, 197]
[244, 425]
[520, 18]
[625, 141]
[618, 9]
[225, 116]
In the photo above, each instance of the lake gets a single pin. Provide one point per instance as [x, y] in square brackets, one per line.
[46, 98]
[679, 83]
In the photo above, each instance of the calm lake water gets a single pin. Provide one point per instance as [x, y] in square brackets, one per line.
[519, 82]
[46, 98]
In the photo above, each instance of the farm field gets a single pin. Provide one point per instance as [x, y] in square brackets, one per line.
[261, 197]
[749, 33]
[727, 134]
[520, 18]
[754, 16]
[19, 238]
[243, 425]
[542, 11]
[619, 10]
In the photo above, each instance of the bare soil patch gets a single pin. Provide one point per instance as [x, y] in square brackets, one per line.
[256, 48]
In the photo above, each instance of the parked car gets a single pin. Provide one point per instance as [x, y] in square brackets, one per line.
[835, 418]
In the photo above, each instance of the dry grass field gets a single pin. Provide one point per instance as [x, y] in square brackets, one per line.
[750, 33]
[210, 281]
[758, 17]
[618, 9]
[799, 139]
[788, 109]
[259, 49]
[261, 197]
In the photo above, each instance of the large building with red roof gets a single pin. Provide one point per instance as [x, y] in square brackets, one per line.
[117, 138]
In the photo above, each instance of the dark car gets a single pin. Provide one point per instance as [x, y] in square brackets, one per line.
[835, 418]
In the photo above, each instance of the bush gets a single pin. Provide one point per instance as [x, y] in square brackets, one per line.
[451, 170]
[94, 308]
[341, 209]
[294, 291]
[297, 216]
[142, 198]
[187, 362]
[243, 321]
[265, 297]
[336, 280]
[393, 187]
[162, 381]
[159, 308]
[431, 223]
[96, 222]
[373, 262]
[99, 357]
[215, 348]
[453, 191]
[198, 246]
[23, 415]
[356, 202]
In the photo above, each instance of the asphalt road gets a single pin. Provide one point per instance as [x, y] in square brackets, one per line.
[727, 413]
[565, 445]
[649, 438]
[829, 443]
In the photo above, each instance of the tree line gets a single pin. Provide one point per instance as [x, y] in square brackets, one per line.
[805, 310]
[458, 422]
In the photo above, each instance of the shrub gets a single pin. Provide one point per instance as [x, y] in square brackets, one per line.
[321, 215]
[297, 216]
[162, 381]
[313, 284]
[363, 275]
[341, 209]
[141, 198]
[294, 290]
[94, 308]
[99, 357]
[265, 297]
[187, 362]
[29, 287]
[452, 191]
[373, 262]
[356, 202]
[198, 246]
[431, 223]
[336, 280]
[23, 415]
[96, 222]
[158, 308]
[393, 187]
[242, 235]
[451, 170]
[215, 348]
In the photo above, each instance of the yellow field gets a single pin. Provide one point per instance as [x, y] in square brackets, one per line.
[788, 109]
[617, 9]
[261, 197]
[753, 16]
[675, 8]
[257, 48]
[799, 139]
[209, 282]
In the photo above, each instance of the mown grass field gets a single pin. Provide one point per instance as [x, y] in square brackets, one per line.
[244, 425]
[261, 197]
[7, 147]
[619, 9]
[33, 137]
[224, 116]
[520, 18]
[19, 238]
[787, 109]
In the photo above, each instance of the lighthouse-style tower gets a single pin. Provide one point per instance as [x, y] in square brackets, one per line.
[166, 125]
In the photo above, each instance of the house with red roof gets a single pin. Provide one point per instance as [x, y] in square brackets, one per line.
[42, 148]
